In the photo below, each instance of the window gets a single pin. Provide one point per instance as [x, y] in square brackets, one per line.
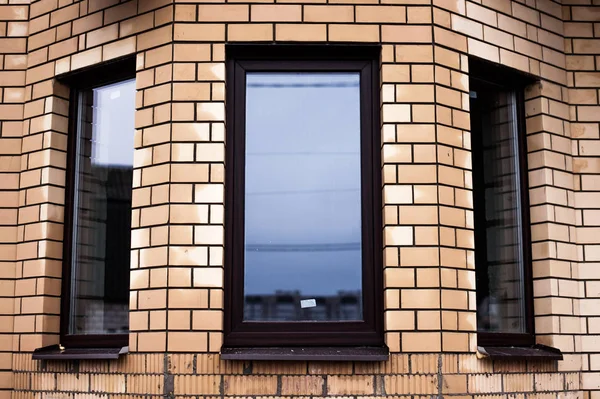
[95, 301]
[303, 205]
[501, 207]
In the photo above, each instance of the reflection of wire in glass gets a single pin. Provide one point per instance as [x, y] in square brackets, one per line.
[342, 246]
[290, 192]
[302, 85]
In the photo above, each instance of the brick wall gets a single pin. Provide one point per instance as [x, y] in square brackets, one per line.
[177, 269]
[13, 50]
[582, 31]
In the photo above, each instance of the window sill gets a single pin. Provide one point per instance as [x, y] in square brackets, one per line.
[535, 352]
[56, 352]
[368, 354]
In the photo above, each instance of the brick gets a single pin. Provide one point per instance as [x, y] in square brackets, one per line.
[399, 320]
[419, 256]
[64, 14]
[451, 5]
[357, 33]
[381, 14]
[120, 12]
[185, 341]
[249, 32]
[414, 93]
[350, 385]
[63, 48]
[420, 299]
[223, 12]
[143, 23]
[153, 5]
[483, 50]
[399, 277]
[33, 42]
[72, 382]
[514, 60]
[210, 111]
[414, 53]
[250, 385]
[302, 385]
[396, 113]
[419, 15]
[421, 342]
[319, 13]
[103, 35]
[39, 24]
[203, 32]
[191, 91]
[118, 49]
[276, 13]
[455, 384]
[192, 52]
[194, 385]
[86, 58]
[406, 34]
[498, 37]
[526, 14]
[467, 26]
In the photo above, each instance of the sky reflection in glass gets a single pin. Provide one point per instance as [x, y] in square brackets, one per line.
[303, 197]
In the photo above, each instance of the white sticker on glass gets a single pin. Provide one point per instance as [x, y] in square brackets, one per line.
[308, 303]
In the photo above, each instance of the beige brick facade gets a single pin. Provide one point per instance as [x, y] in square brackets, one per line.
[176, 299]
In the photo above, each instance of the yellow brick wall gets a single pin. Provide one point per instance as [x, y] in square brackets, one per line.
[177, 269]
[582, 45]
[13, 57]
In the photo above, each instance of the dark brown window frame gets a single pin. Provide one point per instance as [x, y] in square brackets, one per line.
[492, 75]
[304, 57]
[101, 75]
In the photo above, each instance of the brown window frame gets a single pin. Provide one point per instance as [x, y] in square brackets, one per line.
[484, 73]
[89, 78]
[303, 57]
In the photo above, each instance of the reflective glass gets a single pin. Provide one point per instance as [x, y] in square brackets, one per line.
[500, 280]
[303, 258]
[102, 216]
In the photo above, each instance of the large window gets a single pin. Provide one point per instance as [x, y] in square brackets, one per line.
[303, 197]
[500, 192]
[98, 223]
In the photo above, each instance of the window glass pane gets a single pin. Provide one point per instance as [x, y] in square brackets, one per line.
[303, 258]
[500, 280]
[102, 218]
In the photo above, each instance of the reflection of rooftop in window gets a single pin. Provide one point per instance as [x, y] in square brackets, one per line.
[286, 306]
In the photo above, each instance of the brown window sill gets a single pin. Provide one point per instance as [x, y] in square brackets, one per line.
[367, 353]
[535, 352]
[55, 352]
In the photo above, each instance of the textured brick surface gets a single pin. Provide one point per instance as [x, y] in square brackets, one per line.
[177, 254]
